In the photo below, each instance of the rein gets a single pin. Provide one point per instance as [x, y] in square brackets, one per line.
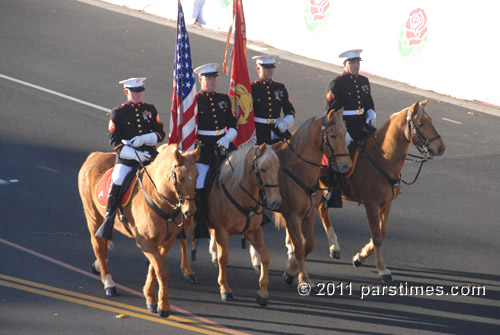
[152, 204]
[412, 128]
[249, 212]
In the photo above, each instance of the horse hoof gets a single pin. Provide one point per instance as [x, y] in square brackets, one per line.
[356, 262]
[288, 278]
[191, 279]
[164, 313]
[111, 291]
[386, 279]
[94, 269]
[152, 308]
[335, 254]
[262, 301]
[227, 296]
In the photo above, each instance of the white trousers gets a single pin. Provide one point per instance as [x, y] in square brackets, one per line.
[119, 174]
[202, 174]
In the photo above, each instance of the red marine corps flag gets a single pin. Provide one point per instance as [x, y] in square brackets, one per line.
[240, 90]
[184, 108]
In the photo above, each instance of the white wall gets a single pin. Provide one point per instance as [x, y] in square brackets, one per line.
[458, 56]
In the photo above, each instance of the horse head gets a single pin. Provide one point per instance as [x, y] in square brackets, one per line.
[333, 141]
[181, 176]
[421, 131]
[266, 165]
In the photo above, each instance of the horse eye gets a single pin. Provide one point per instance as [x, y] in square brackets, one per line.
[181, 179]
[263, 170]
[420, 124]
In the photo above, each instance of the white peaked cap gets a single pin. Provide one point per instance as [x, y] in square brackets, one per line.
[208, 70]
[134, 84]
[351, 54]
[266, 60]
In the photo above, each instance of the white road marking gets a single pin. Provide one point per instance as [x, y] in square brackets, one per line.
[107, 110]
[453, 121]
[47, 168]
[3, 182]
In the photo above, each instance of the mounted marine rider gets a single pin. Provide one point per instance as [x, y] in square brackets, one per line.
[269, 98]
[134, 129]
[351, 91]
[215, 115]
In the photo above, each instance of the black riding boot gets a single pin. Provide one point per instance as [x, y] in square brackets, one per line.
[106, 229]
[201, 230]
[334, 197]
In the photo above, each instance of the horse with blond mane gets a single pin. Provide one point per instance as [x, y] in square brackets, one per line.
[375, 180]
[247, 184]
[155, 215]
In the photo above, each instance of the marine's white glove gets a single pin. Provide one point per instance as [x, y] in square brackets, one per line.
[226, 140]
[146, 139]
[348, 138]
[371, 117]
[129, 153]
[285, 123]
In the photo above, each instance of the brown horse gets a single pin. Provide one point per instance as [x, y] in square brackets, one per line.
[171, 186]
[375, 181]
[300, 160]
[248, 183]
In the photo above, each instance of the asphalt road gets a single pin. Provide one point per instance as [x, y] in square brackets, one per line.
[58, 57]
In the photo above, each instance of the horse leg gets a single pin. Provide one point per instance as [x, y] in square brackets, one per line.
[256, 239]
[221, 237]
[212, 248]
[375, 217]
[292, 265]
[100, 247]
[299, 253]
[185, 265]
[160, 271]
[255, 258]
[149, 290]
[330, 233]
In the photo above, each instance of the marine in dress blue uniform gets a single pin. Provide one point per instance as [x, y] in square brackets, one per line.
[134, 129]
[217, 129]
[270, 98]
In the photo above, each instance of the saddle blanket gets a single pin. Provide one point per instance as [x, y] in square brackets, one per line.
[354, 158]
[102, 189]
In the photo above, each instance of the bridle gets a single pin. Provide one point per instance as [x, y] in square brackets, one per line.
[179, 195]
[261, 202]
[413, 128]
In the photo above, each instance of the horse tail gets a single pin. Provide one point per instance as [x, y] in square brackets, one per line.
[279, 220]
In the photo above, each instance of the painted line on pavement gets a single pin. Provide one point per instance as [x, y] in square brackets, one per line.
[115, 307]
[124, 288]
[452, 121]
[61, 95]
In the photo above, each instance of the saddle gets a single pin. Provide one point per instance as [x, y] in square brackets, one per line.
[102, 188]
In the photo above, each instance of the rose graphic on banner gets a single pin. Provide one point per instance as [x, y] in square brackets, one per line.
[316, 13]
[413, 35]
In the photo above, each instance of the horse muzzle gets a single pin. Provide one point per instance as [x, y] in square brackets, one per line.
[273, 204]
[341, 167]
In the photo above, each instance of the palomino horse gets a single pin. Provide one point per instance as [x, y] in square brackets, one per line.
[248, 183]
[170, 186]
[375, 181]
[300, 160]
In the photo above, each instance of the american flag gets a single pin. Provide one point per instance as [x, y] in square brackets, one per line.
[184, 108]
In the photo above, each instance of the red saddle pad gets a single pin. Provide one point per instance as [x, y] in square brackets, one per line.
[102, 190]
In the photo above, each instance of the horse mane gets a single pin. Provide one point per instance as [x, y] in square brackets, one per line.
[234, 167]
[297, 142]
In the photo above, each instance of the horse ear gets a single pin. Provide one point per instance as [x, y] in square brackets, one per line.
[330, 117]
[179, 159]
[195, 154]
[276, 146]
[424, 103]
[262, 149]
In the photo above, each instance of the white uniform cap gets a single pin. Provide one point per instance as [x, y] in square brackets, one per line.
[134, 84]
[267, 61]
[351, 55]
[207, 70]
